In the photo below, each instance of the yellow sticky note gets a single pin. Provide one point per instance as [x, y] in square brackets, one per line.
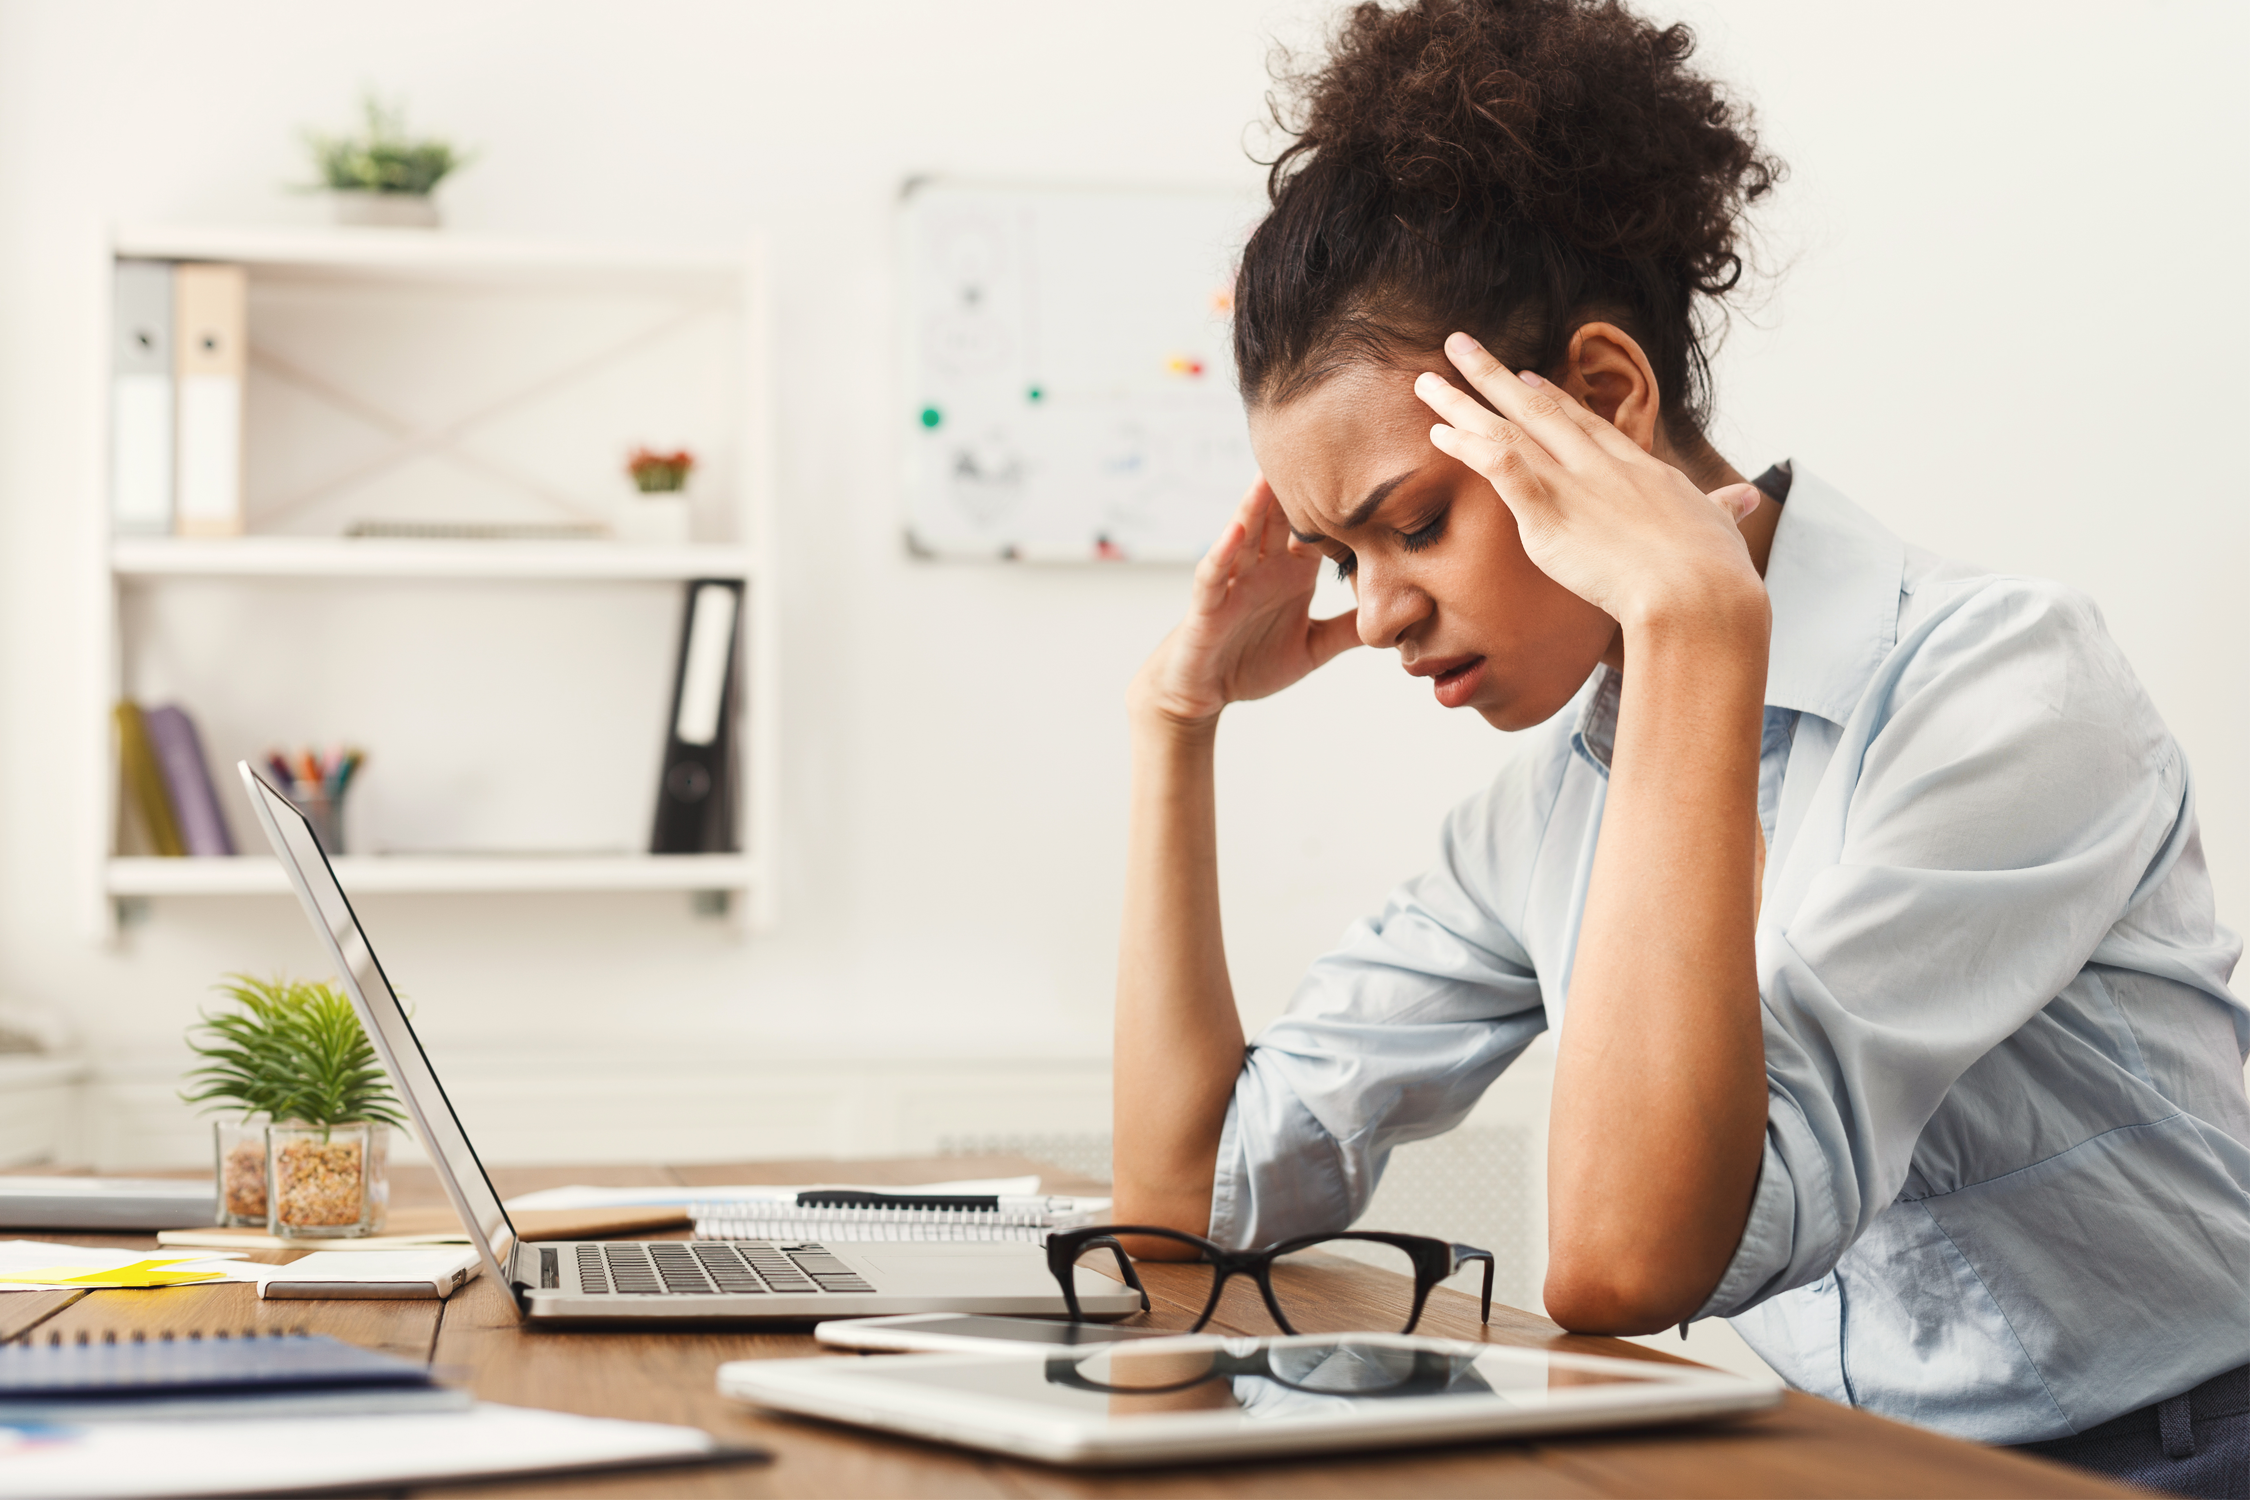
[141, 1273]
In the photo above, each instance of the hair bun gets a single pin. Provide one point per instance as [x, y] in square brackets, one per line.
[1506, 167]
[1581, 117]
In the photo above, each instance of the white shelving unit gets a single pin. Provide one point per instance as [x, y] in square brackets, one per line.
[407, 374]
[260, 875]
[350, 557]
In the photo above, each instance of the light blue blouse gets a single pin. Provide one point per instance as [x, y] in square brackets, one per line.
[2006, 1185]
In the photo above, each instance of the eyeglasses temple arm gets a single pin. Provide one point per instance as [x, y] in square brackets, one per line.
[1116, 1247]
[1467, 1253]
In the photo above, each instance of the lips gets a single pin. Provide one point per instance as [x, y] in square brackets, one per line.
[1453, 679]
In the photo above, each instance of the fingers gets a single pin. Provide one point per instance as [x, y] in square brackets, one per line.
[1216, 571]
[1253, 504]
[1514, 466]
[1262, 522]
[1258, 531]
[1736, 501]
[1514, 463]
[1561, 425]
[1489, 444]
[1272, 531]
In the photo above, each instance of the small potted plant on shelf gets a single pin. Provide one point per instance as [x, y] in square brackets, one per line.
[308, 1157]
[659, 512]
[383, 177]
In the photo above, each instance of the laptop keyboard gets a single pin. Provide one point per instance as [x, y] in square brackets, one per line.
[707, 1266]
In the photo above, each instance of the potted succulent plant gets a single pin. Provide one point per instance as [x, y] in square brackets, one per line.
[659, 511]
[383, 176]
[307, 1156]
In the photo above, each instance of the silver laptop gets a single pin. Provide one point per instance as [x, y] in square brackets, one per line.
[604, 1280]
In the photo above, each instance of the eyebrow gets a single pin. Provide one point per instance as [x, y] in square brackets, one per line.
[1360, 512]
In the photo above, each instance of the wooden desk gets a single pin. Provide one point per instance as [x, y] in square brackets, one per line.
[1805, 1447]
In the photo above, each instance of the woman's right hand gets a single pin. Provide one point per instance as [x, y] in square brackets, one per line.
[1249, 629]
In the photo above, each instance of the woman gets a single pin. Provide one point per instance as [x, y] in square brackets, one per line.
[1898, 1029]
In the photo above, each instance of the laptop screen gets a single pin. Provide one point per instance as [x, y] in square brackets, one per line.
[386, 1023]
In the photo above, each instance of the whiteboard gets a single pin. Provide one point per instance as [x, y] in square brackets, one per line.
[1069, 390]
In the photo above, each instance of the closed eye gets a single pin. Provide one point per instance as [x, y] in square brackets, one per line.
[1428, 536]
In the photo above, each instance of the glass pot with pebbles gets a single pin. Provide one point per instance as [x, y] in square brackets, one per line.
[329, 1181]
[294, 1053]
[240, 1150]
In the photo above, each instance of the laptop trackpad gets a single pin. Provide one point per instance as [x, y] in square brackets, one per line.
[970, 1267]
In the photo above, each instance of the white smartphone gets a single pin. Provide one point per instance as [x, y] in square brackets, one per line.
[967, 1333]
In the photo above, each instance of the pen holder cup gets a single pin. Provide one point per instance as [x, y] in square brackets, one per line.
[240, 1149]
[324, 811]
[329, 1182]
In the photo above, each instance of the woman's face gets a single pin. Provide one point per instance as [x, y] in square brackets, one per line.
[1431, 550]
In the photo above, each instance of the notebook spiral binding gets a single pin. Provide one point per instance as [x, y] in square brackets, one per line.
[790, 1221]
[55, 1339]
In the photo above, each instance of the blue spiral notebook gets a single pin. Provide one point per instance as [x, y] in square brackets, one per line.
[195, 1364]
[203, 1376]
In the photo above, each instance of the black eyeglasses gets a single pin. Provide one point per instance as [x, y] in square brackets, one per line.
[1305, 1288]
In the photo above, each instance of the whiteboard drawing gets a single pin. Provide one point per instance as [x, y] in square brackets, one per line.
[1068, 381]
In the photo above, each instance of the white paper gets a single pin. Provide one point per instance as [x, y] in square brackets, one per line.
[111, 1461]
[662, 1197]
[437, 1267]
[20, 1256]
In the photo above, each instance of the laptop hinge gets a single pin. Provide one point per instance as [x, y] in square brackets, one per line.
[517, 1286]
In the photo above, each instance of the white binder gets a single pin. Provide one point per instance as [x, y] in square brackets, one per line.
[211, 305]
[140, 418]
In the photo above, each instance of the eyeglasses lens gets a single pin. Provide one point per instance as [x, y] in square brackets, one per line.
[1172, 1269]
[1322, 1289]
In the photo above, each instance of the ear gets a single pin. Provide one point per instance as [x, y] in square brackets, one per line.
[1609, 375]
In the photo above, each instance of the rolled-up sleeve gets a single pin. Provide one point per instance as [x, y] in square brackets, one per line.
[1390, 1038]
[2001, 799]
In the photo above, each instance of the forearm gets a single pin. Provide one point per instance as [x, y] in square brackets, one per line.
[1179, 1043]
[1660, 1099]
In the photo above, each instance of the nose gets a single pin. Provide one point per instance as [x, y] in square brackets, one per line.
[1389, 607]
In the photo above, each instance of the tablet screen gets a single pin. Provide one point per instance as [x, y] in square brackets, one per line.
[1257, 1378]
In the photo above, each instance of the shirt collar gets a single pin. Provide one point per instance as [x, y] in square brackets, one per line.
[1833, 576]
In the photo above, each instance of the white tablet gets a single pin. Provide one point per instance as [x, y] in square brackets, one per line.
[971, 1333]
[1170, 1400]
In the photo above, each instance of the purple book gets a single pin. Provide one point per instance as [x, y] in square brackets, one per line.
[195, 803]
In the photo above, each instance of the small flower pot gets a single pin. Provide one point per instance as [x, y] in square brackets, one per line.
[366, 208]
[240, 1149]
[328, 1181]
[655, 519]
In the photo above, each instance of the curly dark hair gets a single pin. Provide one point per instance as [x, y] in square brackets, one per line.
[1510, 168]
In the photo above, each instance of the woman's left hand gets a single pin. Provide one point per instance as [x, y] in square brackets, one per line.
[1615, 525]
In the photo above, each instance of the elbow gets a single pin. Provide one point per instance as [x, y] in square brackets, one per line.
[1624, 1291]
[1184, 1208]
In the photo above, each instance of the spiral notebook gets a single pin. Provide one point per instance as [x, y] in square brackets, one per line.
[202, 1376]
[845, 1215]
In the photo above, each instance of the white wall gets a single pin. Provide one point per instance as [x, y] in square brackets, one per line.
[2012, 327]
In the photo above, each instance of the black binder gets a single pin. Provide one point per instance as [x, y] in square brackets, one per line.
[695, 798]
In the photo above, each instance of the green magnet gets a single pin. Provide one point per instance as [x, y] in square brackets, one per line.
[931, 416]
